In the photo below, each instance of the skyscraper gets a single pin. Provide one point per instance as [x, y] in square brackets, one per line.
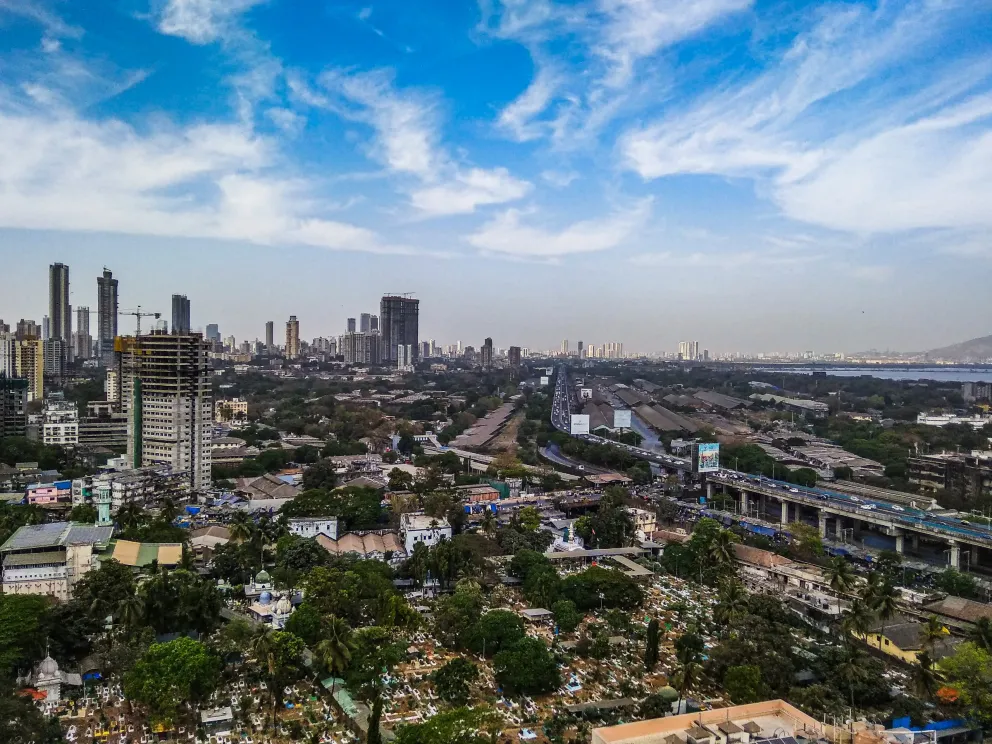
[212, 333]
[106, 314]
[352, 326]
[365, 322]
[487, 354]
[270, 330]
[30, 364]
[84, 341]
[361, 348]
[513, 356]
[374, 324]
[180, 314]
[59, 311]
[400, 321]
[292, 338]
[578, 349]
[165, 390]
[564, 347]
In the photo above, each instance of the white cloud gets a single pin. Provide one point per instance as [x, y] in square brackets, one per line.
[508, 235]
[202, 21]
[518, 117]
[838, 134]
[469, 189]
[61, 172]
[408, 142]
[35, 10]
[560, 179]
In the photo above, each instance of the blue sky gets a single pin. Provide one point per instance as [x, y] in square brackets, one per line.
[755, 175]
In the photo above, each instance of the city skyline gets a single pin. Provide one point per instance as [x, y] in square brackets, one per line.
[760, 175]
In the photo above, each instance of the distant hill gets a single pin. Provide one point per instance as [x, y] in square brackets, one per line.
[975, 350]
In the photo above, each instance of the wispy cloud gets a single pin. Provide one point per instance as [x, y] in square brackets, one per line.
[408, 141]
[40, 12]
[836, 134]
[202, 21]
[510, 234]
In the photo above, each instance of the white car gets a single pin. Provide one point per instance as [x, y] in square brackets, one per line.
[793, 490]
[898, 508]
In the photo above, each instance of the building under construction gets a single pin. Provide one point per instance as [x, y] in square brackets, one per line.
[165, 391]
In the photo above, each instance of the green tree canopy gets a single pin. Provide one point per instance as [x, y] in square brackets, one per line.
[170, 674]
[527, 667]
[453, 679]
[494, 631]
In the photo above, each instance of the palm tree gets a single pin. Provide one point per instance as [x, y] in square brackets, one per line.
[168, 510]
[242, 528]
[336, 648]
[687, 676]
[925, 677]
[981, 634]
[851, 671]
[857, 620]
[842, 577]
[932, 631]
[130, 611]
[419, 563]
[886, 606]
[733, 603]
[869, 592]
[130, 516]
[489, 523]
[721, 548]
[264, 650]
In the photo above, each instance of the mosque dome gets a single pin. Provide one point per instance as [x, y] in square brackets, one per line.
[48, 667]
[284, 606]
[262, 577]
[265, 598]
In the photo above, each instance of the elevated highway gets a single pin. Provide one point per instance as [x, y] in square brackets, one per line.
[846, 508]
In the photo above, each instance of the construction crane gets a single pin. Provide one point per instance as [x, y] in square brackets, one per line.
[138, 314]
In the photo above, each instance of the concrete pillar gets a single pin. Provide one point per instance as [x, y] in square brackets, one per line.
[823, 524]
[973, 560]
[785, 512]
[955, 554]
[745, 503]
[914, 541]
[709, 491]
[900, 543]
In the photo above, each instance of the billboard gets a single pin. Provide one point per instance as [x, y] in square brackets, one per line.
[544, 381]
[707, 458]
[621, 418]
[580, 423]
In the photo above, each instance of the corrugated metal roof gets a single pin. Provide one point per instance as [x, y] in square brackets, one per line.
[54, 534]
[34, 559]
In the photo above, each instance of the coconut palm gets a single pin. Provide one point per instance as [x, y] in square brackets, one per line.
[981, 634]
[489, 523]
[687, 675]
[852, 671]
[857, 620]
[932, 631]
[721, 548]
[925, 677]
[886, 606]
[130, 611]
[873, 583]
[242, 528]
[336, 648]
[732, 604]
[130, 517]
[842, 577]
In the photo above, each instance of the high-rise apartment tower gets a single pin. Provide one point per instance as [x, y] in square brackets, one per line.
[399, 326]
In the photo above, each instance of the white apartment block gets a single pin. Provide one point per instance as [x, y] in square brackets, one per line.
[60, 424]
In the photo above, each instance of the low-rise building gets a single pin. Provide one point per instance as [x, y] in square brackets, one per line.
[313, 526]
[60, 423]
[968, 476]
[50, 558]
[371, 545]
[420, 528]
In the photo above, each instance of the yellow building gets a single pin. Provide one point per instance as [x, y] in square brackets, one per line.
[30, 364]
[904, 641]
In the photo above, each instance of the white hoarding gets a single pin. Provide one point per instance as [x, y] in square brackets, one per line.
[621, 419]
[585, 393]
[580, 423]
[544, 381]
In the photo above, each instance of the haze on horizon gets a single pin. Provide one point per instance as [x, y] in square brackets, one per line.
[754, 175]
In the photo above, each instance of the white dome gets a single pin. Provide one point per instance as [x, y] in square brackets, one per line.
[48, 667]
[284, 606]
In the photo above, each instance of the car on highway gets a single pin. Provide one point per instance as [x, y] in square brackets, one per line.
[898, 508]
[793, 490]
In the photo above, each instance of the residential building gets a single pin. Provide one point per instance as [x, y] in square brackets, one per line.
[361, 348]
[59, 310]
[967, 476]
[165, 390]
[313, 526]
[49, 559]
[180, 314]
[292, 338]
[976, 391]
[400, 326]
[13, 406]
[579, 349]
[943, 419]
[270, 341]
[374, 324]
[404, 357]
[8, 354]
[212, 333]
[487, 354]
[60, 423]
[773, 721]
[352, 326]
[513, 356]
[106, 315]
[420, 528]
[425, 350]
[564, 347]
[57, 357]
[82, 340]
[105, 429]
[365, 323]
[27, 329]
[903, 639]
[30, 365]
[231, 409]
